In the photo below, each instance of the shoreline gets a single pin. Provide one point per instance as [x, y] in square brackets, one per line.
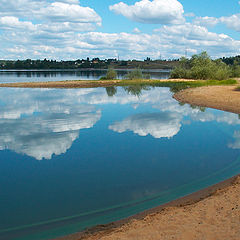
[99, 231]
[124, 229]
[92, 83]
[225, 98]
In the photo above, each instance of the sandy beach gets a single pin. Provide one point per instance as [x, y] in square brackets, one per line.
[224, 98]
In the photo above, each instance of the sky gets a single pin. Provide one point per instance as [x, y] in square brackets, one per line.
[128, 29]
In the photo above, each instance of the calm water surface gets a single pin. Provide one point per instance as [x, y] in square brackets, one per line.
[57, 75]
[73, 158]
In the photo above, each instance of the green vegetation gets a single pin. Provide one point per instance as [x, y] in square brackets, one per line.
[202, 67]
[136, 74]
[87, 63]
[111, 74]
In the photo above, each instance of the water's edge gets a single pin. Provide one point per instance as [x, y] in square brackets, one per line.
[180, 202]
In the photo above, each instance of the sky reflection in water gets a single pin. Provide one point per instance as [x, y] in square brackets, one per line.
[103, 147]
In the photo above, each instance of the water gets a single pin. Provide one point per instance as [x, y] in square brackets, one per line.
[7, 76]
[74, 158]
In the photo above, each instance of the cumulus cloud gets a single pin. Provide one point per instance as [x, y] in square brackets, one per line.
[52, 131]
[10, 23]
[46, 13]
[159, 125]
[206, 21]
[232, 22]
[156, 11]
[197, 38]
[64, 12]
[64, 29]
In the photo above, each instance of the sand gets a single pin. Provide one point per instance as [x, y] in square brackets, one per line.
[224, 98]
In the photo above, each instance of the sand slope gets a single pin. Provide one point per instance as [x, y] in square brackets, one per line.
[224, 98]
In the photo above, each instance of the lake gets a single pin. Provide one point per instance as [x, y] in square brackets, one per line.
[7, 76]
[74, 158]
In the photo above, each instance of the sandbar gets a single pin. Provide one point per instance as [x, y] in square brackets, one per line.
[88, 83]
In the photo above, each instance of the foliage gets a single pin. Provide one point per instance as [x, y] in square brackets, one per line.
[135, 74]
[111, 74]
[200, 66]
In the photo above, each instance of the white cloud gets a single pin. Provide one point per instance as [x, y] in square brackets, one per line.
[156, 11]
[159, 125]
[198, 38]
[10, 23]
[206, 21]
[64, 12]
[46, 14]
[136, 30]
[232, 22]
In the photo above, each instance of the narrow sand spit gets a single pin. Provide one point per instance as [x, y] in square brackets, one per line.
[84, 83]
[224, 98]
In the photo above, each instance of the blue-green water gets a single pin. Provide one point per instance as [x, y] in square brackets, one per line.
[74, 158]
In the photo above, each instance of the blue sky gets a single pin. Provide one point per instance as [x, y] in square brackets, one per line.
[133, 29]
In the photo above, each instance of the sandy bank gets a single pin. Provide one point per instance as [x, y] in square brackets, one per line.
[224, 98]
[86, 84]
[212, 213]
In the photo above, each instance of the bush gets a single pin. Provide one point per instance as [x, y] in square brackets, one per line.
[201, 67]
[235, 71]
[110, 75]
[135, 74]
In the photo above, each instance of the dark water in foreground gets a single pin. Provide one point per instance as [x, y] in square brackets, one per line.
[58, 75]
[73, 158]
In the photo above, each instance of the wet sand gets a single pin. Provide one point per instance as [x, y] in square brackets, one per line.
[224, 98]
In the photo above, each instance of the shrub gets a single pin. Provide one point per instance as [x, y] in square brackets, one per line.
[235, 71]
[135, 74]
[201, 67]
[111, 74]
